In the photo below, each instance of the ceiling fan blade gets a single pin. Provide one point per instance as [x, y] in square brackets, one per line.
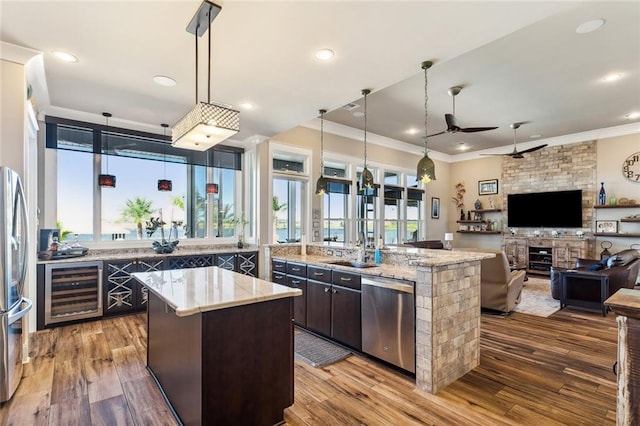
[535, 148]
[476, 129]
[437, 134]
[452, 123]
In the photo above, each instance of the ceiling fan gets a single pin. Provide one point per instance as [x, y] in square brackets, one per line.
[452, 123]
[515, 153]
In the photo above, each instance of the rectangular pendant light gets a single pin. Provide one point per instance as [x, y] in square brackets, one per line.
[212, 188]
[205, 126]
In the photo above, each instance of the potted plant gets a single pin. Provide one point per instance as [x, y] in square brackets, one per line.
[240, 222]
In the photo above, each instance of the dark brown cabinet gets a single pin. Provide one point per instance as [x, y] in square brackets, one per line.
[319, 307]
[293, 275]
[122, 293]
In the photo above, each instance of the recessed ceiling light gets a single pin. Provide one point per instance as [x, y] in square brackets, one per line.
[64, 56]
[589, 26]
[632, 115]
[247, 105]
[324, 54]
[163, 80]
[535, 136]
[614, 76]
[412, 131]
[358, 114]
[463, 146]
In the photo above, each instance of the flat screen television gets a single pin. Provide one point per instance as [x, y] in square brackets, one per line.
[558, 209]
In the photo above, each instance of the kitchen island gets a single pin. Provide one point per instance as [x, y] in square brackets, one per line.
[220, 345]
[447, 302]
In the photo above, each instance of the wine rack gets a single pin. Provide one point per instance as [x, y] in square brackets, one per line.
[73, 291]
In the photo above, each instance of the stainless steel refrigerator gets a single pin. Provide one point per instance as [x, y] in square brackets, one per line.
[13, 268]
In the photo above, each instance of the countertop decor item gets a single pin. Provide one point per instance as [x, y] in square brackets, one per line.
[207, 124]
[426, 170]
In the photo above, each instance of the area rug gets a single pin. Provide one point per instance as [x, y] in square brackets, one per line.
[536, 298]
[317, 352]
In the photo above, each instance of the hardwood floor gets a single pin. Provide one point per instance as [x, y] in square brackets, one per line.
[533, 370]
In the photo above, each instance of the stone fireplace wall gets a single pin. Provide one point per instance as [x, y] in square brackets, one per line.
[554, 168]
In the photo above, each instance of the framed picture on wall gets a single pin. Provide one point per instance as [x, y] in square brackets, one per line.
[606, 226]
[435, 208]
[488, 187]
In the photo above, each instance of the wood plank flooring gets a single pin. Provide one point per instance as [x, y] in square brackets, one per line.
[533, 371]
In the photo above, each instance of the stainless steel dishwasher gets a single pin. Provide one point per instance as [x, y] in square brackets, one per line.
[388, 321]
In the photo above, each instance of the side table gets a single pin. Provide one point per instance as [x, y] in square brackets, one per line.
[584, 289]
[519, 267]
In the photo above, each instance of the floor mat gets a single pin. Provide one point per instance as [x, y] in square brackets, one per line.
[536, 298]
[317, 352]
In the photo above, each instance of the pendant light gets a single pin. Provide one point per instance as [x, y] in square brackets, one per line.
[322, 186]
[207, 123]
[366, 178]
[106, 180]
[426, 170]
[165, 184]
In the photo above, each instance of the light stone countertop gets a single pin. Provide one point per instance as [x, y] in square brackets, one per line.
[423, 258]
[148, 253]
[196, 290]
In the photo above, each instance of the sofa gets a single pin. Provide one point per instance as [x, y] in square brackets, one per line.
[621, 268]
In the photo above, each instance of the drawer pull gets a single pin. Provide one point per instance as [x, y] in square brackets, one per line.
[295, 282]
[296, 269]
[319, 274]
[345, 279]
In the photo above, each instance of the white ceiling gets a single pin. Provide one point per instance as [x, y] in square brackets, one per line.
[517, 61]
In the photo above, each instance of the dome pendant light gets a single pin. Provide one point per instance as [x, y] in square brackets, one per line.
[366, 179]
[322, 186]
[165, 184]
[426, 170]
[106, 180]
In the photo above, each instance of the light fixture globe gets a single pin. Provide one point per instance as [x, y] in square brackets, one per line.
[322, 185]
[426, 170]
[366, 179]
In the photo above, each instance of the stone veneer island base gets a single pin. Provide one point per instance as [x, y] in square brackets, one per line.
[447, 323]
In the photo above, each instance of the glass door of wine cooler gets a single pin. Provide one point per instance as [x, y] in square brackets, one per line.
[73, 291]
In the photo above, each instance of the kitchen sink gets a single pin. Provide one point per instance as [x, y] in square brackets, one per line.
[352, 264]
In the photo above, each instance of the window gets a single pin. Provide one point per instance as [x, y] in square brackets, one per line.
[130, 210]
[335, 204]
[392, 204]
[287, 209]
[414, 213]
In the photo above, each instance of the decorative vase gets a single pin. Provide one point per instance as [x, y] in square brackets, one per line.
[602, 197]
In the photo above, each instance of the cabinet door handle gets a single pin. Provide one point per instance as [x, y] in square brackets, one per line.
[345, 279]
[295, 281]
[326, 290]
[334, 291]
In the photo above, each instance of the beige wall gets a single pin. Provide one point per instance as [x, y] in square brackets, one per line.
[469, 173]
[610, 154]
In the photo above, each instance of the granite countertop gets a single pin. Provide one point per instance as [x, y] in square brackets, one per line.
[196, 290]
[424, 258]
[148, 252]
[625, 302]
